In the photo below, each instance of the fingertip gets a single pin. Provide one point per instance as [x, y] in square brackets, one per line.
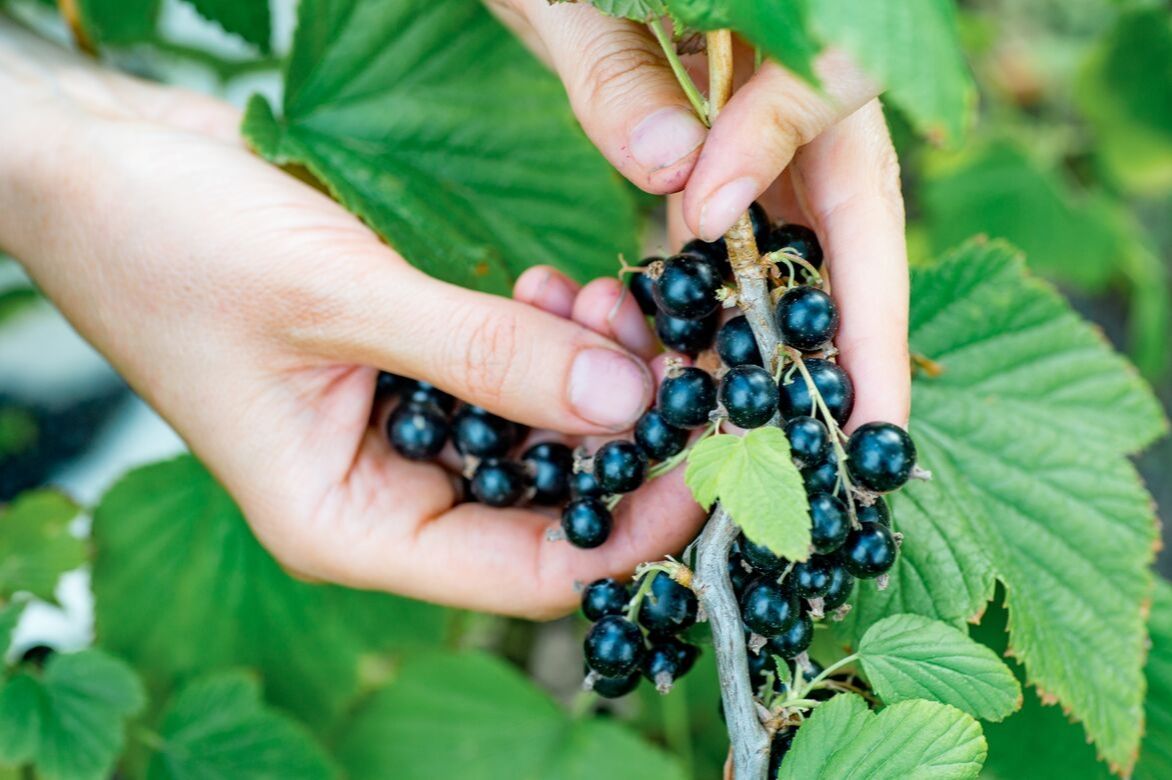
[606, 307]
[548, 289]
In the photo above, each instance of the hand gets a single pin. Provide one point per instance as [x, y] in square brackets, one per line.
[819, 158]
[249, 309]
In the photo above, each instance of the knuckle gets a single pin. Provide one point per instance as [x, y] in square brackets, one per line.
[486, 354]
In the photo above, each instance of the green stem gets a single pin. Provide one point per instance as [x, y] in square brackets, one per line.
[582, 704]
[647, 574]
[224, 69]
[699, 104]
[834, 667]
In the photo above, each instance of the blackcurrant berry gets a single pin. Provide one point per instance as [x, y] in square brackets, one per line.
[687, 286]
[499, 482]
[586, 522]
[686, 399]
[658, 439]
[749, 395]
[783, 739]
[760, 664]
[389, 384]
[822, 478]
[668, 607]
[806, 318]
[417, 430]
[794, 639]
[613, 646]
[842, 583]
[716, 252]
[809, 440]
[829, 522]
[640, 285]
[832, 383]
[584, 484]
[737, 574]
[551, 463]
[620, 466]
[760, 557]
[810, 579]
[767, 608]
[481, 433]
[736, 345]
[868, 551]
[880, 456]
[875, 513]
[688, 337]
[616, 687]
[605, 597]
[667, 660]
[799, 240]
[427, 393]
[760, 222]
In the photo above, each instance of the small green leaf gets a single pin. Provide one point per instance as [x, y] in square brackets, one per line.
[755, 479]
[913, 657]
[217, 727]
[911, 740]
[250, 19]
[36, 545]
[779, 28]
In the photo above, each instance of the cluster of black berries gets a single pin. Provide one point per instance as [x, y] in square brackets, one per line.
[617, 653]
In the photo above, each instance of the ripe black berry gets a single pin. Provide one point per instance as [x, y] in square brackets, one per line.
[613, 646]
[810, 579]
[749, 395]
[616, 687]
[807, 318]
[687, 286]
[583, 484]
[799, 240]
[481, 433]
[619, 466]
[760, 221]
[767, 608]
[686, 399]
[657, 438]
[778, 747]
[736, 345]
[688, 337]
[809, 440]
[427, 393]
[760, 557]
[875, 513]
[716, 252]
[667, 660]
[829, 522]
[868, 551]
[833, 384]
[880, 456]
[499, 482]
[822, 478]
[794, 639]
[759, 664]
[586, 522]
[737, 574]
[389, 384]
[640, 285]
[668, 607]
[842, 583]
[551, 464]
[417, 430]
[605, 597]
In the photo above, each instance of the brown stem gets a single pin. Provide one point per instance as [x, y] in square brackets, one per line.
[71, 13]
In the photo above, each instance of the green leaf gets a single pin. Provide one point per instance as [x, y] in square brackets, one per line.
[10, 615]
[911, 740]
[913, 657]
[176, 561]
[250, 19]
[69, 722]
[36, 546]
[635, 10]
[430, 122]
[119, 22]
[217, 727]
[779, 28]
[474, 717]
[1026, 426]
[755, 479]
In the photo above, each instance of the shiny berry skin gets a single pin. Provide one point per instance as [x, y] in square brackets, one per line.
[688, 337]
[640, 285]
[498, 482]
[716, 252]
[616, 687]
[736, 345]
[809, 440]
[868, 551]
[668, 607]
[605, 597]
[842, 582]
[481, 433]
[822, 478]
[737, 576]
[613, 646]
[760, 557]
[875, 513]
[658, 439]
[810, 579]
[668, 657]
[833, 384]
[749, 396]
[620, 466]
[767, 608]
[880, 456]
[686, 399]
[427, 393]
[829, 522]
[417, 430]
[586, 522]
[760, 222]
[551, 463]
[799, 239]
[794, 639]
[778, 747]
[686, 287]
[583, 484]
[759, 665]
[388, 384]
[806, 318]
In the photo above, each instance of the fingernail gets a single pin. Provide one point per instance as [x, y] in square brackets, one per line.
[665, 137]
[723, 207]
[608, 388]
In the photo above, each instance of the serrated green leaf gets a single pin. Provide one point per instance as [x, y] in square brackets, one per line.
[430, 122]
[911, 740]
[69, 722]
[756, 481]
[119, 22]
[635, 10]
[176, 561]
[250, 19]
[913, 657]
[218, 727]
[779, 28]
[474, 717]
[36, 545]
